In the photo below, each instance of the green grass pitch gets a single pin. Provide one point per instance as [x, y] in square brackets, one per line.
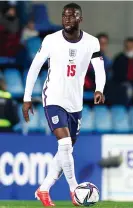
[62, 204]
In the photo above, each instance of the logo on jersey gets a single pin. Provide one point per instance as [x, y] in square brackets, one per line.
[55, 119]
[71, 61]
[72, 53]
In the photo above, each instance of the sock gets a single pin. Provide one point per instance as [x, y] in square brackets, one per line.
[54, 173]
[66, 159]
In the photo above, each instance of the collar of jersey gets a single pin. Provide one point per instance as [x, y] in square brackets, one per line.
[73, 41]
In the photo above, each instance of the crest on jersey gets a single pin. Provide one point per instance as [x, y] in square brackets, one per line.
[72, 52]
[55, 119]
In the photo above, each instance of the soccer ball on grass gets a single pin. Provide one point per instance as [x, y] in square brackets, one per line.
[86, 194]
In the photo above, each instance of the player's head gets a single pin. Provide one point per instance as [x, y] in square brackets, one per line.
[71, 17]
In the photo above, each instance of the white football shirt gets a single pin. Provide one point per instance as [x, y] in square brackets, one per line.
[68, 64]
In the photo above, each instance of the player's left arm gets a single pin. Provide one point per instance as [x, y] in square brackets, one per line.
[100, 77]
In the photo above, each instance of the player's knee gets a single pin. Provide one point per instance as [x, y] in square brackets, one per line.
[65, 144]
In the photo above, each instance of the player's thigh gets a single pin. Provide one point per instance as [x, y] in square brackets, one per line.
[61, 133]
[74, 124]
[57, 119]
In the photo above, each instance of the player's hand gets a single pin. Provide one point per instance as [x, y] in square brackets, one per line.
[99, 98]
[26, 107]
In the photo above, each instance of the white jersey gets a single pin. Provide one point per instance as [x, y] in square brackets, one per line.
[68, 64]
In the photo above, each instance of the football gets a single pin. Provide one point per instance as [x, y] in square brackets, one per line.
[86, 194]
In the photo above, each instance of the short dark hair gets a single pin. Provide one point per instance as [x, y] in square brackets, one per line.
[102, 35]
[73, 6]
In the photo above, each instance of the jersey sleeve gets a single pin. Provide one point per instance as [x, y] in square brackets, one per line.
[96, 46]
[41, 56]
[96, 49]
[98, 65]
[100, 77]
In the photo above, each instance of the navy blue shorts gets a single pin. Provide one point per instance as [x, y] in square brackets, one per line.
[58, 117]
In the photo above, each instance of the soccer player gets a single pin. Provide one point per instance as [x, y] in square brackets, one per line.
[69, 52]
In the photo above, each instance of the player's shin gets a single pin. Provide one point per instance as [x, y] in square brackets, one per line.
[54, 173]
[65, 150]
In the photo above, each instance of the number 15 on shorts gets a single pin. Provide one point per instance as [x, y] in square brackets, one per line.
[71, 70]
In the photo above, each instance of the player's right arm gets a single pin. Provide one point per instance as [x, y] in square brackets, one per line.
[34, 70]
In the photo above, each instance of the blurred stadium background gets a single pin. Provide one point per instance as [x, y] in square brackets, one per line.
[104, 151]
